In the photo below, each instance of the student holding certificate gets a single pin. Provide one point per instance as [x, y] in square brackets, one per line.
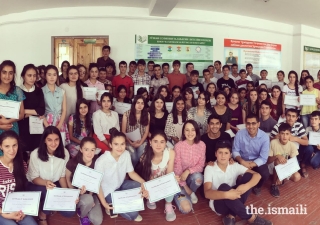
[292, 88]
[93, 82]
[89, 209]
[12, 177]
[158, 114]
[103, 120]
[314, 129]
[47, 168]
[33, 106]
[188, 165]
[79, 126]
[277, 106]
[156, 161]
[115, 164]
[55, 102]
[9, 91]
[308, 109]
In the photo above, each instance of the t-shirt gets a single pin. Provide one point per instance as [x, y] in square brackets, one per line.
[297, 130]
[126, 81]
[7, 181]
[289, 149]
[218, 75]
[291, 92]
[222, 82]
[268, 124]
[211, 145]
[176, 79]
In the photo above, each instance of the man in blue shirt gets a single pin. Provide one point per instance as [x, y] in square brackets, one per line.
[251, 149]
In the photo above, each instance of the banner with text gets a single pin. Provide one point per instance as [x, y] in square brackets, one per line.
[311, 60]
[161, 49]
[261, 55]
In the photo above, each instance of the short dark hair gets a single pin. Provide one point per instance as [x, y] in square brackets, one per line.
[102, 69]
[205, 71]
[223, 144]
[108, 64]
[175, 87]
[265, 102]
[194, 72]
[242, 71]
[106, 47]
[188, 64]
[292, 110]
[249, 64]
[150, 62]
[141, 62]
[212, 116]
[176, 62]
[220, 93]
[225, 66]
[284, 127]
[309, 77]
[217, 61]
[210, 66]
[197, 139]
[156, 65]
[122, 63]
[132, 63]
[263, 71]
[251, 116]
[234, 65]
[241, 89]
[315, 113]
[165, 64]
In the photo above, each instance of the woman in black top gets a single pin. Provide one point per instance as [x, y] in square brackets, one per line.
[33, 106]
[158, 114]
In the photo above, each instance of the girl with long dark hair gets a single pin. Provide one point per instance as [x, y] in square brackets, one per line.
[89, 209]
[236, 111]
[64, 74]
[164, 91]
[188, 98]
[42, 81]
[222, 111]
[251, 106]
[304, 74]
[136, 118]
[79, 126]
[158, 114]
[12, 177]
[82, 73]
[212, 88]
[277, 106]
[263, 95]
[293, 88]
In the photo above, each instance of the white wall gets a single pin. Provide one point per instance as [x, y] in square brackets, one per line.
[26, 37]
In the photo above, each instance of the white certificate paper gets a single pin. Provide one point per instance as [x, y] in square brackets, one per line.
[162, 187]
[134, 135]
[231, 133]
[101, 92]
[266, 82]
[85, 176]
[137, 86]
[308, 100]
[9, 109]
[291, 100]
[280, 84]
[27, 202]
[195, 89]
[35, 125]
[169, 106]
[90, 93]
[314, 138]
[127, 201]
[286, 170]
[121, 107]
[241, 126]
[243, 86]
[61, 199]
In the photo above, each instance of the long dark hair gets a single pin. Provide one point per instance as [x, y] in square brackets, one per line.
[88, 124]
[18, 167]
[78, 82]
[12, 83]
[197, 139]
[48, 67]
[296, 83]
[152, 108]
[250, 103]
[215, 87]
[207, 99]
[147, 156]
[144, 118]
[175, 111]
[115, 133]
[43, 150]
[302, 80]
[79, 157]
[167, 99]
[189, 91]
[65, 61]
[279, 102]
[263, 90]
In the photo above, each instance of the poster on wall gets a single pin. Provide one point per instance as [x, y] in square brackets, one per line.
[161, 49]
[261, 55]
[311, 60]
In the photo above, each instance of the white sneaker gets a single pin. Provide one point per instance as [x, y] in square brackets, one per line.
[151, 205]
[169, 211]
[194, 198]
[138, 219]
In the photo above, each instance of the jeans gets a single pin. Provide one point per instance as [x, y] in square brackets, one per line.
[234, 207]
[94, 213]
[43, 190]
[263, 170]
[305, 120]
[27, 220]
[315, 160]
[136, 153]
[126, 185]
[305, 153]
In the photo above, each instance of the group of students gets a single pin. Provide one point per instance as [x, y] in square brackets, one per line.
[193, 135]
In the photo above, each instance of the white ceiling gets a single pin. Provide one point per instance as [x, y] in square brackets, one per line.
[286, 11]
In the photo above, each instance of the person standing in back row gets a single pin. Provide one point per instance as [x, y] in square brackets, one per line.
[105, 59]
[176, 78]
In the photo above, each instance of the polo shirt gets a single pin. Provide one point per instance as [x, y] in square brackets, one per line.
[126, 81]
[178, 79]
[214, 175]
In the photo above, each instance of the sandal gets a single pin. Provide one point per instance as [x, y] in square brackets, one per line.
[42, 221]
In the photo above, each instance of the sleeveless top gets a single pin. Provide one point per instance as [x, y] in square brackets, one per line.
[161, 168]
[130, 128]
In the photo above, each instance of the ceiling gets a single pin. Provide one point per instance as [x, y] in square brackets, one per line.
[286, 11]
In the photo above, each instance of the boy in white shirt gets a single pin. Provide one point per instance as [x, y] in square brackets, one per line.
[281, 149]
[225, 195]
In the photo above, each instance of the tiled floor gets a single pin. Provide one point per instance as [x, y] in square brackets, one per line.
[306, 192]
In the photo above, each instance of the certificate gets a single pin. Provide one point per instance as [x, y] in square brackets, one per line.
[35, 125]
[241, 126]
[101, 92]
[121, 107]
[61, 199]
[137, 86]
[27, 202]
[85, 176]
[291, 100]
[195, 89]
[169, 106]
[127, 201]
[308, 100]
[134, 135]
[266, 82]
[280, 120]
[9, 109]
[286, 170]
[162, 187]
[90, 93]
[314, 138]
[280, 84]
[231, 133]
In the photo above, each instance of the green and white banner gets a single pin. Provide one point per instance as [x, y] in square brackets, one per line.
[311, 60]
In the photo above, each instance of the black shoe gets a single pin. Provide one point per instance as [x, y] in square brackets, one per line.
[228, 221]
[261, 221]
[256, 191]
[274, 191]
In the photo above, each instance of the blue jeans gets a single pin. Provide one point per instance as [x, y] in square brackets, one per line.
[305, 153]
[27, 220]
[136, 153]
[126, 185]
[305, 120]
[315, 160]
[43, 189]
